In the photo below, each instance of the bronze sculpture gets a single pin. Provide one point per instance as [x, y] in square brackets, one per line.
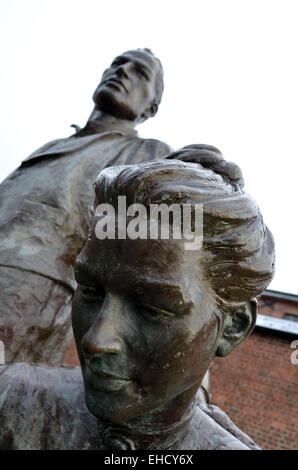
[149, 317]
[45, 205]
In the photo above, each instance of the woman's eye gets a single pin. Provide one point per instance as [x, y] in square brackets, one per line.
[91, 293]
[156, 312]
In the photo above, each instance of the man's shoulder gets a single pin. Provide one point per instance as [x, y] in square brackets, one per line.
[131, 143]
[55, 146]
[42, 407]
[19, 382]
[146, 149]
[156, 143]
[41, 375]
[46, 147]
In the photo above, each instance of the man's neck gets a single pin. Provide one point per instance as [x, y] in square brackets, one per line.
[99, 122]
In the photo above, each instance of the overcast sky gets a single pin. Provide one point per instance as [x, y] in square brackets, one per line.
[231, 80]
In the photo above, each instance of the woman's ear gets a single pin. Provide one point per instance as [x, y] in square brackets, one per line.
[238, 324]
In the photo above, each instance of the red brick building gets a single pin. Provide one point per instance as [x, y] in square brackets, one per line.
[257, 384]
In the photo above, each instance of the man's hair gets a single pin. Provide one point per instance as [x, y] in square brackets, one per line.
[238, 248]
[159, 81]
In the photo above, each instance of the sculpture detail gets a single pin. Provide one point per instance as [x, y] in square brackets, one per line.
[45, 208]
[149, 316]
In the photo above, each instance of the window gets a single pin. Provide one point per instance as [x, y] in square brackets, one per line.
[291, 317]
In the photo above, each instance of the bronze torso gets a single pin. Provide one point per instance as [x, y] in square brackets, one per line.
[51, 414]
[45, 216]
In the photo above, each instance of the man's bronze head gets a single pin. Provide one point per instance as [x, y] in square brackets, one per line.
[149, 316]
[131, 88]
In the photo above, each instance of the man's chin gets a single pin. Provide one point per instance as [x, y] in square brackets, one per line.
[110, 101]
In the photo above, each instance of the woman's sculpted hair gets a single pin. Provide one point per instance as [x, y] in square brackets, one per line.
[238, 248]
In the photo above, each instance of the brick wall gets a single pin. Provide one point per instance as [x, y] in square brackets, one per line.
[256, 385]
[277, 308]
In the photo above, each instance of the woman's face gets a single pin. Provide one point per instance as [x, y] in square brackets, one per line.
[144, 322]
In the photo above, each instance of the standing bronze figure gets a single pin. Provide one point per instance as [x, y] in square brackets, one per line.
[45, 208]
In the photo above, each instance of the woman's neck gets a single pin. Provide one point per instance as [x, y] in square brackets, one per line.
[158, 429]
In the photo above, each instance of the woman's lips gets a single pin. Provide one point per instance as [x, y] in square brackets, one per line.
[104, 381]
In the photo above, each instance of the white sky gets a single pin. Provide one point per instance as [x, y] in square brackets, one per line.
[231, 80]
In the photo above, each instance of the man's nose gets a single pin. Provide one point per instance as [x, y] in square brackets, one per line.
[123, 70]
[103, 335]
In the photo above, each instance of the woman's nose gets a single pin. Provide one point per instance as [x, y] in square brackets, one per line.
[103, 335]
[99, 345]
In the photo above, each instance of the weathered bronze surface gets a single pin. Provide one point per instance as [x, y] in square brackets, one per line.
[45, 208]
[148, 318]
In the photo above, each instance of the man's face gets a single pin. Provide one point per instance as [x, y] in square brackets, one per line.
[128, 86]
[144, 324]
